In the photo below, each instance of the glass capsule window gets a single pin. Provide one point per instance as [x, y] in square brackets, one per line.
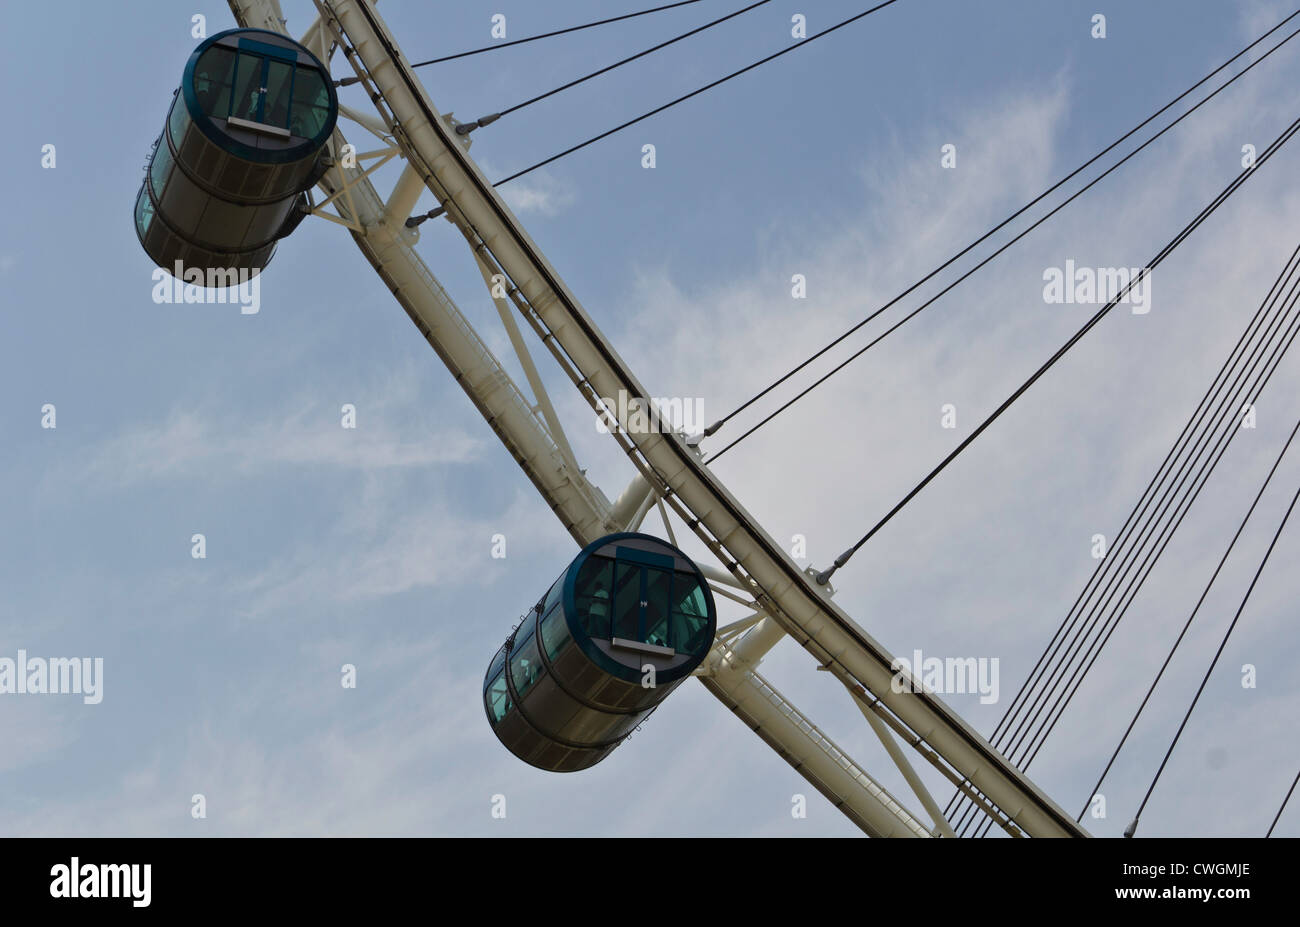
[627, 601]
[246, 101]
[555, 632]
[213, 78]
[526, 630]
[311, 103]
[178, 122]
[552, 596]
[160, 169]
[497, 698]
[591, 595]
[143, 212]
[498, 662]
[525, 665]
[263, 89]
[641, 602]
[658, 589]
[275, 101]
[690, 614]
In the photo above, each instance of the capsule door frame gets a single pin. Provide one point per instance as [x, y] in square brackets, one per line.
[643, 559]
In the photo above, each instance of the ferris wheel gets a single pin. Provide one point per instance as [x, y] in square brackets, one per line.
[257, 140]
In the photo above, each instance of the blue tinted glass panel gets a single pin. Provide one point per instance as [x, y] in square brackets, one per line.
[690, 615]
[143, 212]
[497, 698]
[311, 103]
[555, 632]
[160, 169]
[526, 630]
[497, 662]
[178, 122]
[214, 74]
[279, 80]
[525, 666]
[593, 596]
[247, 102]
[627, 600]
[658, 583]
[553, 596]
[689, 633]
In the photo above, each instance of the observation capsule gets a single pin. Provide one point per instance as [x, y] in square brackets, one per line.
[625, 623]
[244, 139]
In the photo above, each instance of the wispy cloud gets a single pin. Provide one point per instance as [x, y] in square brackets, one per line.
[306, 431]
[539, 193]
[383, 545]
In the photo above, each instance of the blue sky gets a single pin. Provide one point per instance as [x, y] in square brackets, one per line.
[372, 547]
